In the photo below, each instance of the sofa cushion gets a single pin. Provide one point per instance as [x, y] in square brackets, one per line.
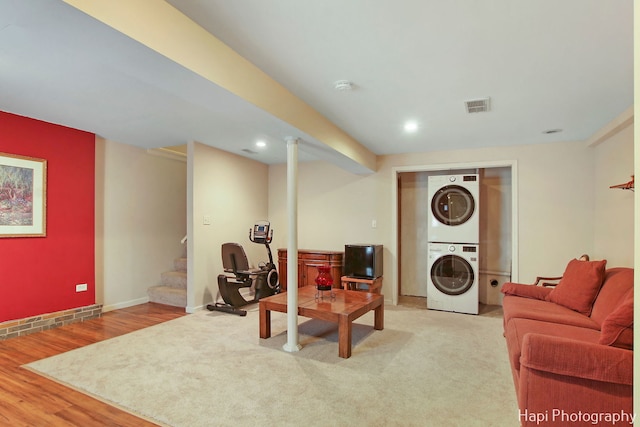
[525, 291]
[617, 328]
[527, 308]
[617, 282]
[579, 285]
[518, 328]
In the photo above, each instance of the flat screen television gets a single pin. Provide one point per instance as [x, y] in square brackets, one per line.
[363, 261]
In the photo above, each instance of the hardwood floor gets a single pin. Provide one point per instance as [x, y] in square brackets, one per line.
[27, 399]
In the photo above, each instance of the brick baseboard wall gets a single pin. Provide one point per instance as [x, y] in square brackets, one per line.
[30, 325]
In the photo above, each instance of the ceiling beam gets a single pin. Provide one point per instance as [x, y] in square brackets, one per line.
[163, 28]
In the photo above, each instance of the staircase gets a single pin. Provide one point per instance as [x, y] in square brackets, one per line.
[172, 289]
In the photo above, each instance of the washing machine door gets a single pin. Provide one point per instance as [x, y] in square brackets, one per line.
[453, 205]
[452, 275]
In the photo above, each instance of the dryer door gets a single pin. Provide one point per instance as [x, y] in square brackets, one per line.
[452, 275]
[452, 205]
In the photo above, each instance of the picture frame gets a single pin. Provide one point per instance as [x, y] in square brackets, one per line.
[23, 196]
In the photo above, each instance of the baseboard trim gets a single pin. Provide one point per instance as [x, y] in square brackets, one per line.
[189, 309]
[125, 304]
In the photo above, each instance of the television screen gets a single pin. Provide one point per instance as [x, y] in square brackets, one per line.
[363, 261]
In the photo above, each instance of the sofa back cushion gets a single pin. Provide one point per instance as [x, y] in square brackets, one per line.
[579, 285]
[617, 327]
[617, 282]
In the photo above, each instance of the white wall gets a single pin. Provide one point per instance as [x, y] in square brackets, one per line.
[232, 191]
[563, 191]
[140, 219]
[555, 203]
[613, 222]
[140, 205]
[335, 207]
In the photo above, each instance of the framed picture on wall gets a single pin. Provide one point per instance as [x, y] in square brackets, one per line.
[23, 196]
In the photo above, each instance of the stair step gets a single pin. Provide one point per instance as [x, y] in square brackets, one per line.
[180, 264]
[168, 295]
[174, 279]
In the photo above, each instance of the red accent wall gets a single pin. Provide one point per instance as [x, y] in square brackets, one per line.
[39, 274]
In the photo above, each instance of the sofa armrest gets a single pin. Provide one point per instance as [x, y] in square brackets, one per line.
[573, 358]
[540, 278]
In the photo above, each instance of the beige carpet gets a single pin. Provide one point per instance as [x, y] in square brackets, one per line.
[426, 368]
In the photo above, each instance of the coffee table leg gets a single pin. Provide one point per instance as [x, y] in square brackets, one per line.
[378, 320]
[265, 322]
[344, 337]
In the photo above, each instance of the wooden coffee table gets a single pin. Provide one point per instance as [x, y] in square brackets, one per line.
[343, 310]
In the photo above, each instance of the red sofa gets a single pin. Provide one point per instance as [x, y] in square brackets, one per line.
[571, 347]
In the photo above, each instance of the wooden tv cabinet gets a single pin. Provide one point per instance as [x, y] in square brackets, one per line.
[308, 263]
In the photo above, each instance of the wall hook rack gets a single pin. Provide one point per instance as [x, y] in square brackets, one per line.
[626, 186]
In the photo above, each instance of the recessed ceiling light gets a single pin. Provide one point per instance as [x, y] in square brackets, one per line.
[261, 144]
[410, 126]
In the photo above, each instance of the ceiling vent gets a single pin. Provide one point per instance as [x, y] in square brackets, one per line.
[246, 150]
[478, 105]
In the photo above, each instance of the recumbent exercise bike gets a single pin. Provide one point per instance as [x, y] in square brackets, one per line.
[263, 279]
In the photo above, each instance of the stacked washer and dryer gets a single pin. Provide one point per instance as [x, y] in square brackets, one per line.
[453, 233]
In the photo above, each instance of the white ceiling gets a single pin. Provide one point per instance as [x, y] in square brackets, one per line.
[546, 64]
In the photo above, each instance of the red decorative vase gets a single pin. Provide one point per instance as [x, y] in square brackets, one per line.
[324, 281]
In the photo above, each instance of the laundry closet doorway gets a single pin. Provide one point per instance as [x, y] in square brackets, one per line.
[498, 228]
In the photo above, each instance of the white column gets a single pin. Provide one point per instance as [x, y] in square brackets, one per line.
[292, 344]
